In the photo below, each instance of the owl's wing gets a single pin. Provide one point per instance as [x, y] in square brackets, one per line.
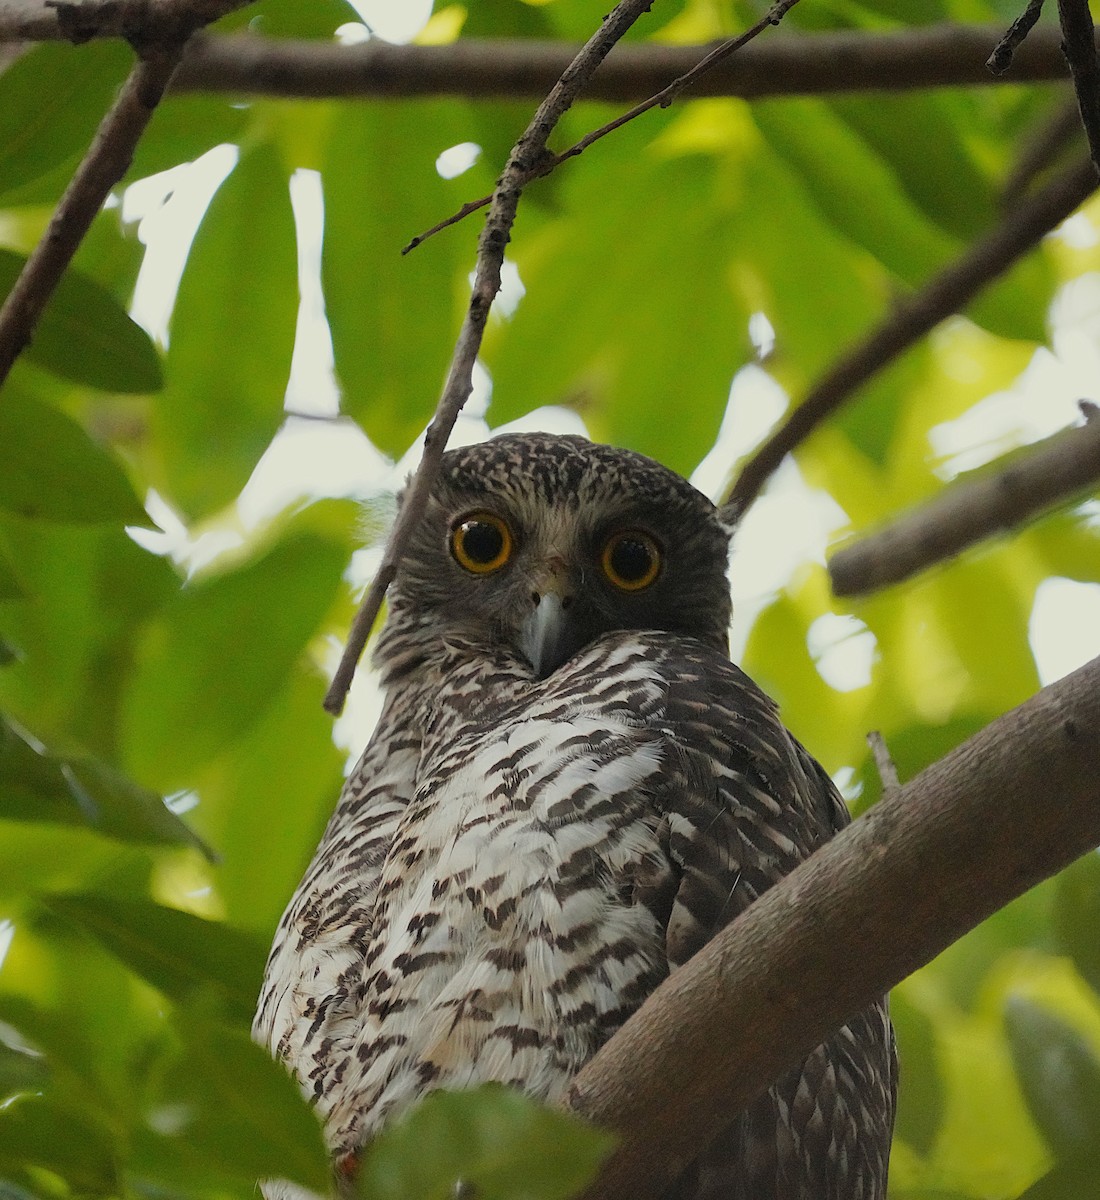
[316, 958]
[744, 805]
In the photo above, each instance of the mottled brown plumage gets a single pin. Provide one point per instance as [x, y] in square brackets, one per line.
[569, 791]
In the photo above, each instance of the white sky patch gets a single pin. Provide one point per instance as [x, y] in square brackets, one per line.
[1064, 630]
[312, 387]
[170, 207]
[354, 33]
[843, 650]
[761, 334]
[511, 291]
[457, 159]
[394, 22]
[7, 932]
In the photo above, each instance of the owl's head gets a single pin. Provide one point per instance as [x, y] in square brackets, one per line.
[544, 542]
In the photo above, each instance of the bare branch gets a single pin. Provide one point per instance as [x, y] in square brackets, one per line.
[140, 22]
[786, 65]
[661, 99]
[1079, 46]
[1047, 474]
[1009, 808]
[1001, 58]
[525, 157]
[949, 292]
[103, 166]
[884, 763]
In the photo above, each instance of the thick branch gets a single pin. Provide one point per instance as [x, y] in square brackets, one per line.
[1009, 808]
[1020, 231]
[806, 64]
[521, 167]
[1049, 473]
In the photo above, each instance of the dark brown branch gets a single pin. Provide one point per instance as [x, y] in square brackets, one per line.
[1041, 148]
[103, 166]
[526, 154]
[949, 292]
[1047, 474]
[1007, 809]
[786, 65]
[1001, 58]
[140, 22]
[1079, 47]
[661, 99]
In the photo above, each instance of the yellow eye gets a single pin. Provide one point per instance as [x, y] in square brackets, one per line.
[631, 560]
[481, 542]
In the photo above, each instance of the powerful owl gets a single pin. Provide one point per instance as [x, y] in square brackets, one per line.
[569, 791]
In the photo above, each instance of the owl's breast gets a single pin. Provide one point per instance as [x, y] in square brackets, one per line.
[508, 940]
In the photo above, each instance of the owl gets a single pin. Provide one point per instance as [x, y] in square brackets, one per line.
[570, 789]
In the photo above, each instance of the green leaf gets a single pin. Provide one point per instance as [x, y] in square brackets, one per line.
[223, 1102]
[10, 587]
[51, 100]
[921, 1093]
[1072, 1179]
[67, 1140]
[499, 1143]
[36, 786]
[220, 653]
[1077, 916]
[183, 128]
[292, 18]
[231, 338]
[20, 1070]
[1059, 1076]
[86, 335]
[50, 469]
[89, 588]
[394, 318]
[181, 954]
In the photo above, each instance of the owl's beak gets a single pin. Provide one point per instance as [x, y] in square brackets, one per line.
[548, 635]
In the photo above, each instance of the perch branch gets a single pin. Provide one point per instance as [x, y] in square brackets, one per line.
[1047, 474]
[525, 156]
[1019, 231]
[787, 65]
[663, 99]
[1079, 46]
[1007, 809]
[103, 166]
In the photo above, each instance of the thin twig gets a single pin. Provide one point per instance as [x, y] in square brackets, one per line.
[1049, 473]
[1040, 148]
[105, 163]
[661, 99]
[1001, 58]
[884, 763]
[1019, 231]
[526, 153]
[1079, 46]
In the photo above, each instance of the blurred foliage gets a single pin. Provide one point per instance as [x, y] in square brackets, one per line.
[165, 766]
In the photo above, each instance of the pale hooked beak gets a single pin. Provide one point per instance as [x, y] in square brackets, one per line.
[548, 635]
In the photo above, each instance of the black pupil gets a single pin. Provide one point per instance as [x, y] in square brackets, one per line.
[631, 560]
[481, 541]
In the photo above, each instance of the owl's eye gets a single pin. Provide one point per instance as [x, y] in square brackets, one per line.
[481, 542]
[631, 560]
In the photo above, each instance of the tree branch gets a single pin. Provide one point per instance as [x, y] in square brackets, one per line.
[1020, 231]
[103, 166]
[1079, 47]
[522, 165]
[1009, 808]
[1049, 473]
[140, 22]
[789, 65]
